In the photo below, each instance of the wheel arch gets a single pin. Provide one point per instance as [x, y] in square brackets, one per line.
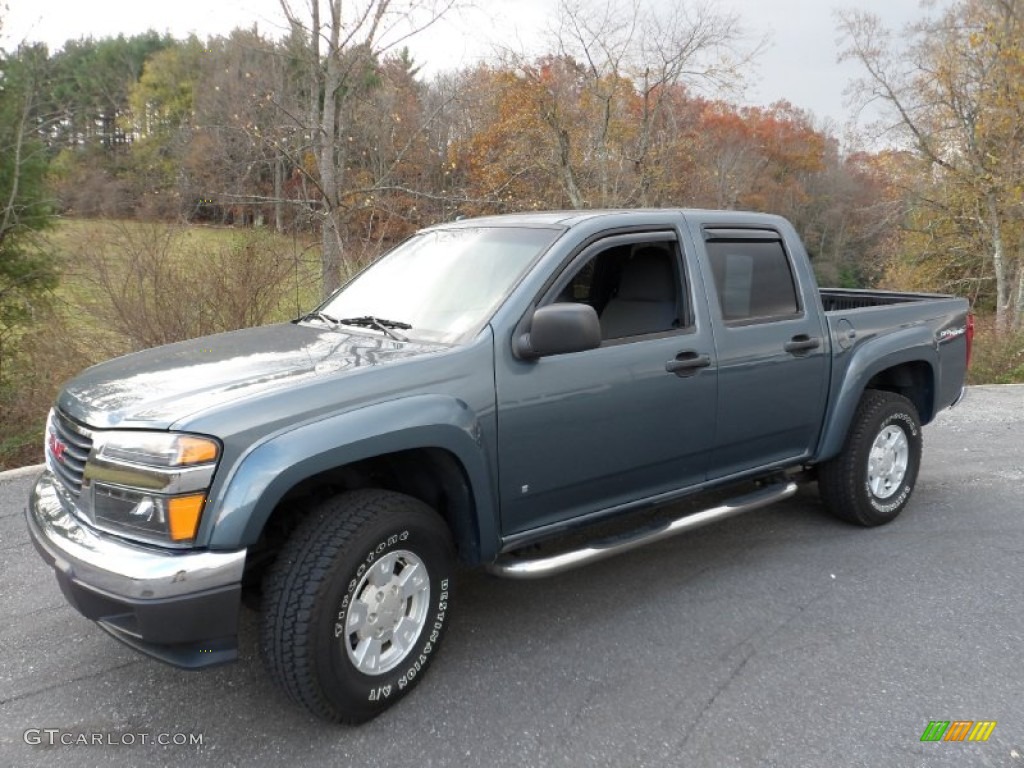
[432, 452]
[885, 364]
[915, 380]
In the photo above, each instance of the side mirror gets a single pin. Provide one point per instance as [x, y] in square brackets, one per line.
[560, 328]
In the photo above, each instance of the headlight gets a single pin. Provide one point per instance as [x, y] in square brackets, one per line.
[150, 485]
[148, 515]
[157, 449]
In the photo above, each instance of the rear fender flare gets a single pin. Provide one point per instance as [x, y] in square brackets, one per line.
[908, 345]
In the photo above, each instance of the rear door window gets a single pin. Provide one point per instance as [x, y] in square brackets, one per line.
[753, 280]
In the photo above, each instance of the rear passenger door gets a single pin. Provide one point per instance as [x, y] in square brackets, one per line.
[772, 365]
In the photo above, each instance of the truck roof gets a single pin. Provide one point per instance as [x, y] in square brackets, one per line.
[572, 218]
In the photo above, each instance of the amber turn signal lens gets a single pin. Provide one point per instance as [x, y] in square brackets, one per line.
[183, 513]
[195, 450]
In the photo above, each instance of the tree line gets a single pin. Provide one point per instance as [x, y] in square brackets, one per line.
[331, 131]
[330, 128]
[252, 129]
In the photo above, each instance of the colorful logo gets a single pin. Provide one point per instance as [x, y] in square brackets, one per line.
[958, 730]
[57, 447]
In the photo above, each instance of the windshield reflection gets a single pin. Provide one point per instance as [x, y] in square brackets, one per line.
[445, 283]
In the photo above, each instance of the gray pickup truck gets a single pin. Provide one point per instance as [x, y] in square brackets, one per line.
[490, 392]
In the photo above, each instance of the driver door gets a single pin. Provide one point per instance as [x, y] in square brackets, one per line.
[587, 432]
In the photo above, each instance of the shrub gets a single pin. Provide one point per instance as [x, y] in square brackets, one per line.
[996, 359]
[131, 286]
[154, 284]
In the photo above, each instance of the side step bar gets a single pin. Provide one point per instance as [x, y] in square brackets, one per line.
[520, 568]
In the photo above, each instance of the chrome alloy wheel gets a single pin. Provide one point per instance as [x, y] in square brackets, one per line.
[387, 613]
[888, 461]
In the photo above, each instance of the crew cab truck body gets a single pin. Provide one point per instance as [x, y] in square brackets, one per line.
[488, 385]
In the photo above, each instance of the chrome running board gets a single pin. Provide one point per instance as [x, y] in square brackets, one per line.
[521, 568]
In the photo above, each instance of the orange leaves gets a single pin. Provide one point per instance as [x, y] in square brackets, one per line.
[500, 160]
[550, 133]
[757, 157]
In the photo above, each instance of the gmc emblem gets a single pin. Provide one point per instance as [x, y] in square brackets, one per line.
[57, 447]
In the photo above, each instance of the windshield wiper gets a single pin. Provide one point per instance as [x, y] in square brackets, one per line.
[385, 326]
[322, 316]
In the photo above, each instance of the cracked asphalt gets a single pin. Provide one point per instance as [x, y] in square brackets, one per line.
[779, 638]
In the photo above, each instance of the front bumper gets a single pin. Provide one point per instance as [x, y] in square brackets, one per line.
[180, 607]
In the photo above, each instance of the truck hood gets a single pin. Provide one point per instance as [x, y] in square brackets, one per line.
[157, 387]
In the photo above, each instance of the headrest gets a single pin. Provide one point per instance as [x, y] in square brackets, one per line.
[648, 276]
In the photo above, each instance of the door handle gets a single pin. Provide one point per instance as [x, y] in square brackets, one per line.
[801, 343]
[687, 363]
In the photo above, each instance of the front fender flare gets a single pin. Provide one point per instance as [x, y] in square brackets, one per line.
[270, 468]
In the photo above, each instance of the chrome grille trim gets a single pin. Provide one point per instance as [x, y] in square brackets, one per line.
[78, 442]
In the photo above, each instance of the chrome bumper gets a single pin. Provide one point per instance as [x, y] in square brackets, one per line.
[116, 567]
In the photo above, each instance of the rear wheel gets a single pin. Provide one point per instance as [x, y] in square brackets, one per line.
[870, 481]
[357, 602]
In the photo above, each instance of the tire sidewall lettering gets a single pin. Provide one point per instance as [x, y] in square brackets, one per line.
[900, 500]
[312, 590]
[431, 644]
[379, 689]
[908, 424]
[844, 482]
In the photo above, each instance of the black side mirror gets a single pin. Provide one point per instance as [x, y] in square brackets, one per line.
[560, 328]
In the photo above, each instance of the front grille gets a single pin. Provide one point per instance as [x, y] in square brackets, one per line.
[76, 441]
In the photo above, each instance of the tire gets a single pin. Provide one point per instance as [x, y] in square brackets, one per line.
[872, 490]
[343, 631]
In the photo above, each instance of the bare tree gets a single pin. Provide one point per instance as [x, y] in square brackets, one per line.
[617, 52]
[955, 91]
[344, 41]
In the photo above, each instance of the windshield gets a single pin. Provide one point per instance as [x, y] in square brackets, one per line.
[441, 284]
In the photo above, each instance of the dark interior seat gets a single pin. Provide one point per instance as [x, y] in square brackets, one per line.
[646, 299]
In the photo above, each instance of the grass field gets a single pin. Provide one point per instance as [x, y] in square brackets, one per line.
[127, 285]
[187, 241]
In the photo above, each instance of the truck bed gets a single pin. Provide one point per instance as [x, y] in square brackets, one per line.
[858, 317]
[833, 299]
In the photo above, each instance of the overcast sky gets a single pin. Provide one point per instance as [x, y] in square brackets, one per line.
[799, 63]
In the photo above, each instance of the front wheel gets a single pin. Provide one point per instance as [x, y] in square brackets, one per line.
[871, 479]
[357, 602]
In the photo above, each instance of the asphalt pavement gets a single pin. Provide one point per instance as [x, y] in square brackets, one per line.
[778, 638]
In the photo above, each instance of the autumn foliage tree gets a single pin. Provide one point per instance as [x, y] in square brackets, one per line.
[592, 113]
[956, 97]
[332, 129]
